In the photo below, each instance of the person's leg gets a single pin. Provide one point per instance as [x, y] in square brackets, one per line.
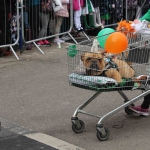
[95, 18]
[59, 20]
[143, 109]
[98, 16]
[146, 102]
[4, 30]
[26, 23]
[77, 19]
[44, 18]
[34, 20]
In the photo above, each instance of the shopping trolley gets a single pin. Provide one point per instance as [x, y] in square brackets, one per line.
[137, 55]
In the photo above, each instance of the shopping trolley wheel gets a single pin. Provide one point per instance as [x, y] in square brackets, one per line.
[128, 110]
[101, 137]
[77, 129]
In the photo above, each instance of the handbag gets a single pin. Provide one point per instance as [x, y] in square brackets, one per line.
[76, 5]
[57, 5]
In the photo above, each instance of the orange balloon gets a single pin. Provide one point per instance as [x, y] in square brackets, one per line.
[116, 43]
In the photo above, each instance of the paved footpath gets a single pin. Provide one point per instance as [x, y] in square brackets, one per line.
[15, 137]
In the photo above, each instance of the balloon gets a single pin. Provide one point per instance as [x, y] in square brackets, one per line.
[103, 35]
[116, 43]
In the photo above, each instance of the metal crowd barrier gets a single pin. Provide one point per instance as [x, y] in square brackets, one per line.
[51, 26]
[65, 30]
[136, 11]
[24, 18]
[10, 45]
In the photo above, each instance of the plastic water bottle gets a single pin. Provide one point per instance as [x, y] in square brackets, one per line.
[59, 44]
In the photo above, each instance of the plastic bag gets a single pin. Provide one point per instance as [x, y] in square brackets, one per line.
[95, 46]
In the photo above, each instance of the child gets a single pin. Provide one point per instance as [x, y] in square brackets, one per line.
[34, 8]
[59, 15]
[77, 16]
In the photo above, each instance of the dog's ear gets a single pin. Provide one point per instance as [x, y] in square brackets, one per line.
[82, 56]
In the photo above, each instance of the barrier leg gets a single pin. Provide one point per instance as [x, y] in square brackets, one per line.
[38, 47]
[14, 52]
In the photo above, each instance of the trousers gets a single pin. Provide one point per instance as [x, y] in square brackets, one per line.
[146, 102]
[77, 17]
[44, 18]
[58, 23]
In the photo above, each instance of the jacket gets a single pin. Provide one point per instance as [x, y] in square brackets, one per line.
[63, 12]
[82, 2]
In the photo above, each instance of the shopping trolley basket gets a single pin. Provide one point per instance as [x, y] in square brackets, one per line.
[137, 55]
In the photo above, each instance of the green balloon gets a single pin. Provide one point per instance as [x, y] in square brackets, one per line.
[72, 51]
[103, 35]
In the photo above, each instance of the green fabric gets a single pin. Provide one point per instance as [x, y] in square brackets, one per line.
[105, 17]
[146, 16]
[100, 83]
[91, 21]
[85, 22]
[89, 6]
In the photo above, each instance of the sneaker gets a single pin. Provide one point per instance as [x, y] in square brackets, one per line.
[80, 29]
[65, 38]
[59, 40]
[139, 110]
[40, 43]
[46, 42]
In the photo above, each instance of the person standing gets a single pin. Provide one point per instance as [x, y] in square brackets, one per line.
[34, 9]
[44, 14]
[6, 10]
[77, 15]
[5, 15]
[59, 15]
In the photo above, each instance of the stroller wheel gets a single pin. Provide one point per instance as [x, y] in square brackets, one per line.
[101, 137]
[77, 129]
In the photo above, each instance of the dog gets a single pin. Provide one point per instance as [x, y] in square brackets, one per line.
[97, 65]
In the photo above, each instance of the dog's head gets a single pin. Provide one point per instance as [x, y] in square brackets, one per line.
[94, 63]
